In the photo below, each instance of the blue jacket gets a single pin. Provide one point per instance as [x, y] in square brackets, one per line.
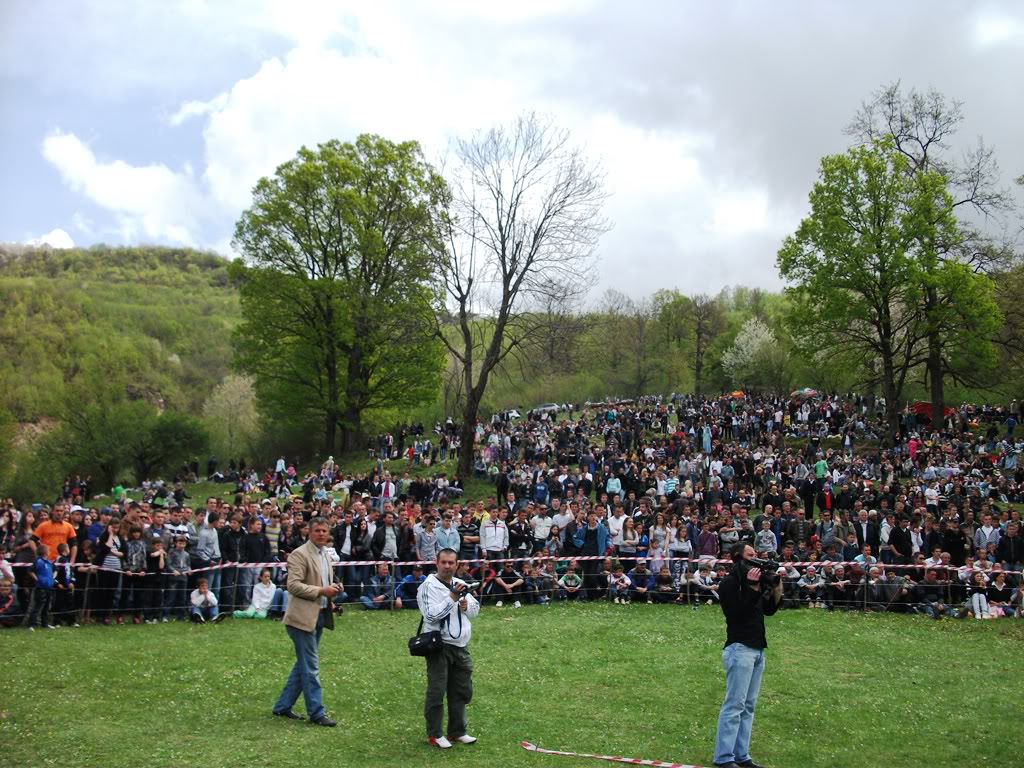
[645, 580]
[43, 570]
[602, 538]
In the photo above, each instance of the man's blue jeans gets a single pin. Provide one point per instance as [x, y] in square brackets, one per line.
[305, 675]
[743, 669]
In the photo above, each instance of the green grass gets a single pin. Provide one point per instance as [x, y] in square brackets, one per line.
[640, 681]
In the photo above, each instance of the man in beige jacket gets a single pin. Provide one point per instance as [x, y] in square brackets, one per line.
[312, 588]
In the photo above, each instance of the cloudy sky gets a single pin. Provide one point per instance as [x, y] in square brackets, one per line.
[149, 121]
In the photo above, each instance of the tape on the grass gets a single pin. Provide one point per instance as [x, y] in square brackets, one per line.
[610, 758]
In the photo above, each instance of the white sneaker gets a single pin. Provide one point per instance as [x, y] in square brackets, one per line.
[517, 604]
[496, 605]
[164, 620]
[51, 626]
[616, 601]
[440, 742]
[466, 739]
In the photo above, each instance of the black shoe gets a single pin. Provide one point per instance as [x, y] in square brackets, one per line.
[290, 715]
[730, 764]
[325, 721]
[749, 764]
[219, 618]
[197, 618]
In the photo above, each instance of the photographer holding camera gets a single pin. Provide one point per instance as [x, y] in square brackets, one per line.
[447, 606]
[751, 591]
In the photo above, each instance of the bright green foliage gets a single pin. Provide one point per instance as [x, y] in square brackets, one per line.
[163, 314]
[859, 263]
[335, 288]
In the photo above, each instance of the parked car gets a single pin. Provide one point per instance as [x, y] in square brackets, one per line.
[548, 408]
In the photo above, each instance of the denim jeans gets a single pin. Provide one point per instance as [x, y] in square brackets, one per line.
[279, 602]
[209, 613]
[305, 675]
[743, 669]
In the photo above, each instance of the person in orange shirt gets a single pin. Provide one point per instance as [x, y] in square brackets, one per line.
[57, 531]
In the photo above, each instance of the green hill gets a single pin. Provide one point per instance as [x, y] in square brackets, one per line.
[162, 315]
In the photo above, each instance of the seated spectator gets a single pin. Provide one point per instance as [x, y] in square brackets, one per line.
[619, 585]
[11, 614]
[931, 594]
[977, 603]
[812, 588]
[839, 591]
[642, 580]
[544, 582]
[380, 595]
[704, 584]
[204, 604]
[664, 590]
[262, 598]
[570, 586]
[507, 585]
[999, 594]
[405, 590]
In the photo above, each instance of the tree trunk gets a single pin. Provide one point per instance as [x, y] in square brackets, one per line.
[468, 435]
[892, 409]
[351, 429]
[938, 391]
[698, 366]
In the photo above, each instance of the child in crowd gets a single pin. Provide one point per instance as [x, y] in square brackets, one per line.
[156, 562]
[204, 604]
[570, 585]
[178, 567]
[133, 584]
[43, 584]
[10, 611]
[618, 585]
[64, 588]
[262, 597]
[664, 586]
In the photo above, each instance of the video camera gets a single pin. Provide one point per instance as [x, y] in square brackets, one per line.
[769, 571]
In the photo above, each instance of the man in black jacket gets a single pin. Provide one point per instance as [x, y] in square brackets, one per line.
[900, 543]
[1010, 551]
[230, 540]
[255, 548]
[745, 603]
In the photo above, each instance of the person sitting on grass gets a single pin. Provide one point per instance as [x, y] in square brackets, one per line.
[507, 585]
[642, 580]
[262, 597]
[619, 585]
[405, 591]
[569, 585]
[544, 581]
[10, 612]
[380, 594]
[204, 604]
[664, 586]
[703, 583]
[812, 588]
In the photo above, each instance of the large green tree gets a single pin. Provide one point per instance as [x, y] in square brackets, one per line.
[859, 264]
[335, 285]
[962, 319]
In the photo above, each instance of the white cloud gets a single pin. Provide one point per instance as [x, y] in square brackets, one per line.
[197, 109]
[55, 238]
[993, 30]
[150, 201]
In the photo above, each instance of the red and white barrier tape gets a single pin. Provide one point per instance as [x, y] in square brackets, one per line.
[610, 758]
[819, 564]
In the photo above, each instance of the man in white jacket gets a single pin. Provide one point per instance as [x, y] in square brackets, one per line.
[448, 607]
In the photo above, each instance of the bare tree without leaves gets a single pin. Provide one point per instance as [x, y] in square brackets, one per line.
[520, 232]
[921, 126]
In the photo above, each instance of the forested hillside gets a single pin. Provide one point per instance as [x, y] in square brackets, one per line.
[164, 316]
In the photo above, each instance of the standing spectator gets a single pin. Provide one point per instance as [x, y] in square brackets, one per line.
[133, 587]
[177, 568]
[156, 564]
[494, 537]
[591, 542]
[57, 531]
[64, 588]
[42, 590]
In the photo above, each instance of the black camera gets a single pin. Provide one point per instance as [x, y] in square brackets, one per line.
[769, 571]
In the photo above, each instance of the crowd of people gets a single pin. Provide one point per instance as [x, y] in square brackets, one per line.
[630, 501]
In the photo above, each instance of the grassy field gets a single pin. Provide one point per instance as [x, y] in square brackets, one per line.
[641, 681]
